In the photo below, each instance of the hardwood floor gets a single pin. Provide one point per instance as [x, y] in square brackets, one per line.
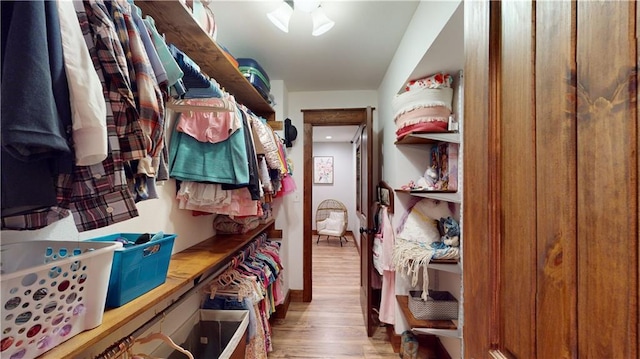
[331, 326]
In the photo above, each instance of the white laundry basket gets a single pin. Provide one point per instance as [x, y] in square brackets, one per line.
[51, 291]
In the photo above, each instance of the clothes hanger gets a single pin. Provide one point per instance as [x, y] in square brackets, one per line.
[166, 339]
[213, 104]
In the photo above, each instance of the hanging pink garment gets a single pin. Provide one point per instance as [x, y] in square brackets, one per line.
[387, 299]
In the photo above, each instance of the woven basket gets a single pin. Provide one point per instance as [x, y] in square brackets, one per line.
[440, 305]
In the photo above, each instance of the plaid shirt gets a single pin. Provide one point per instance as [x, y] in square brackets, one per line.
[98, 195]
[146, 90]
[113, 61]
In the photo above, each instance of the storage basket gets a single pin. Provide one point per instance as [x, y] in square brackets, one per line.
[440, 305]
[137, 268]
[209, 333]
[51, 291]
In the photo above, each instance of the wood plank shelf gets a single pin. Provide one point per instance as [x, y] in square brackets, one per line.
[174, 20]
[421, 138]
[403, 302]
[447, 196]
[186, 269]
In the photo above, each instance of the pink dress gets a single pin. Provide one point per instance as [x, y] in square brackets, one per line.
[387, 300]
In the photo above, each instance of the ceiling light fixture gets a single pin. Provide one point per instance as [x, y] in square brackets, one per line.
[280, 16]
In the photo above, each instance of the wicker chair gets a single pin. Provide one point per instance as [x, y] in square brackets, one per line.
[332, 220]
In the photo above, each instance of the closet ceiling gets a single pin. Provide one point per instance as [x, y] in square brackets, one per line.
[353, 55]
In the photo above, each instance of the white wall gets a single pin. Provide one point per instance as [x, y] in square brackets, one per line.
[293, 209]
[344, 178]
[428, 21]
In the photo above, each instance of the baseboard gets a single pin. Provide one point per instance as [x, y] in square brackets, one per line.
[296, 295]
[394, 338]
[315, 232]
[281, 310]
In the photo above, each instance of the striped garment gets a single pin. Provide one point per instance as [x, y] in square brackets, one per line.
[116, 74]
[147, 93]
[97, 195]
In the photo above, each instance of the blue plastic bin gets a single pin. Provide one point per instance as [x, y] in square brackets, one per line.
[137, 268]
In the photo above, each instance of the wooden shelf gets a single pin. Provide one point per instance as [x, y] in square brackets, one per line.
[403, 302]
[174, 20]
[447, 196]
[186, 268]
[445, 265]
[429, 137]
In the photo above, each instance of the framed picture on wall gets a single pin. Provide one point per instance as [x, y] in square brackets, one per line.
[323, 169]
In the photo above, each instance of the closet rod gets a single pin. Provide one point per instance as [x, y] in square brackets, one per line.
[159, 316]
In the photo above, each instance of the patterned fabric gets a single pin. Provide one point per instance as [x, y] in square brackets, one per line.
[34, 220]
[174, 73]
[434, 81]
[146, 91]
[114, 64]
[97, 195]
[150, 49]
[211, 198]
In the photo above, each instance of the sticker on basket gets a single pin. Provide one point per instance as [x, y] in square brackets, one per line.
[151, 250]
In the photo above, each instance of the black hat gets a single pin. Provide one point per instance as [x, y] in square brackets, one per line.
[290, 133]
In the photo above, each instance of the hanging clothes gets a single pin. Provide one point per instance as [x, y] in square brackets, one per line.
[35, 107]
[387, 299]
[222, 162]
[88, 106]
[250, 284]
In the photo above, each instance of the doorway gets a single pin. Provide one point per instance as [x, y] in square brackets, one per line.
[312, 118]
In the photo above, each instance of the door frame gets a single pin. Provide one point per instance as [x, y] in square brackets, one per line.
[311, 118]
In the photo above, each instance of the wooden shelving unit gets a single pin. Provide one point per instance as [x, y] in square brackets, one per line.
[454, 197]
[421, 138]
[186, 269]
[403, 302]
[175, 21]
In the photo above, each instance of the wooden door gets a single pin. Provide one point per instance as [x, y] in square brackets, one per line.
[368, 174]
[551, 177]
